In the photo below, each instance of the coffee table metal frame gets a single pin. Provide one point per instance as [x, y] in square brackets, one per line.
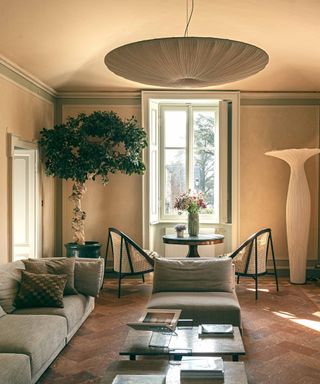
[234, 372]
[185, 343]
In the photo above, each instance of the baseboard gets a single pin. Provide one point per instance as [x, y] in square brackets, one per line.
[312, 273]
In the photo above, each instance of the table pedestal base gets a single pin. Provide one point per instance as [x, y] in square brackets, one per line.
[193, 251]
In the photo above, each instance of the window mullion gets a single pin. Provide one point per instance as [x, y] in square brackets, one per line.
[162, 162]
[189, 149]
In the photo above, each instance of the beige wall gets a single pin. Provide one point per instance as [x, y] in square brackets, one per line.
[118, 204]
[23, 114]
[264, 180]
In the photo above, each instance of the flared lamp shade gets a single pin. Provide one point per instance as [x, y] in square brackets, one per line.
[187, 62]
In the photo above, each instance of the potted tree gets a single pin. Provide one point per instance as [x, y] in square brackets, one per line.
[87, 147]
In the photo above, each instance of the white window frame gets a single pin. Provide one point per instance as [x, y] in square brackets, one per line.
[147, 98]
[189, 108]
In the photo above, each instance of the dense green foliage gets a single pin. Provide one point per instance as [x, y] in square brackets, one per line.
[93, 145]
[205, 156]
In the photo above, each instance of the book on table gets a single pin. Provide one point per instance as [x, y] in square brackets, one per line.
[139, 379]
[201, 367]
[157, 320]
[215, 330]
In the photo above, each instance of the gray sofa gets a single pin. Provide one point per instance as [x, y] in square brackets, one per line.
[204, 289]
[31, 338]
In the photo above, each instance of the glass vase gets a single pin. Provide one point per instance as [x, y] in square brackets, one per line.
[193, 224]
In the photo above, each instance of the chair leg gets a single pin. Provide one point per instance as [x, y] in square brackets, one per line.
[256, 265]
[142, 275]
[238, 279]
[119, 286]
[274, 264]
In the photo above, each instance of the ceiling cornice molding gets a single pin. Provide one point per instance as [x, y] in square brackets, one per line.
[27, 76]
[100, 95]
[279, 95]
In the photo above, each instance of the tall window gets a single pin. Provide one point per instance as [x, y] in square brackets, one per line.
[189, 156]
[193, 143]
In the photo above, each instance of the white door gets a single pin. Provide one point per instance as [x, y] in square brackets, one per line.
[24, 203]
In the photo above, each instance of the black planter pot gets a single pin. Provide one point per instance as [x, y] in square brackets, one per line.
[91, 249]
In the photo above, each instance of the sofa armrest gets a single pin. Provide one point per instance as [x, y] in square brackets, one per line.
[88, 276]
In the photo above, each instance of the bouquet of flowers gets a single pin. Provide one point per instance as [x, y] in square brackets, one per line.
[191, 202]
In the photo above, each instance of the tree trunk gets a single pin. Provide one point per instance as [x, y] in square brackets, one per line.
[78, 190]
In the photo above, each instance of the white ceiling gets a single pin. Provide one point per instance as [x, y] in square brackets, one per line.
[63, 42]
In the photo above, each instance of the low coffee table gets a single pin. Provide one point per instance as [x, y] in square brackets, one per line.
[234, 372]
[185, 343]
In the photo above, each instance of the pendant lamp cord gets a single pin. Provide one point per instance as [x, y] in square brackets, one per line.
[188, 17]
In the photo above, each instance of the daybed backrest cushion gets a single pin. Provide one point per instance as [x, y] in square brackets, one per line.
[10, 277]
[206, 275]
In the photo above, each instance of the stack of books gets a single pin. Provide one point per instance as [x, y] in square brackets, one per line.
[157, 320]
[201, 368]
[215, 330]
[139, 379]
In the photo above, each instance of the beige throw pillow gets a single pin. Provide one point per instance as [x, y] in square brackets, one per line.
[10, 277]
[2, 312]
[89, 276]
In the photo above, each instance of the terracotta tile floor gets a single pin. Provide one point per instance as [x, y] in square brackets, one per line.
[281, 333]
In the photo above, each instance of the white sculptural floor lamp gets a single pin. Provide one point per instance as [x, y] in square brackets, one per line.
[297, 210]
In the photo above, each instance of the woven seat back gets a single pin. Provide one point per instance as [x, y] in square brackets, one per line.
[132, 260]
[246, 257]
[116, 244]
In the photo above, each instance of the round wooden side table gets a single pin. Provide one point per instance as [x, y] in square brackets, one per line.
[193, 242]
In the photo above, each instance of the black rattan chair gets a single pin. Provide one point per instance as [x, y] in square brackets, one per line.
[250, 259]
[128, 257]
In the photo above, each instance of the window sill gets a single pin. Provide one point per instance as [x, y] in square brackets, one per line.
[184, 221]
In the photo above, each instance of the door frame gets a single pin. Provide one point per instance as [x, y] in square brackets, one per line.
[18, 142]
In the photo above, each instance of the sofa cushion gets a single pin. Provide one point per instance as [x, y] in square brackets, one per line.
[10, 277]
[201, 275]
[15, 368]
[202, 307]
[40, 290]
[88, 276]
[56, 266]
[39, 337]
[75, 307]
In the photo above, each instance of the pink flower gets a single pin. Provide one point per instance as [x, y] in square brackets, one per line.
[190, 202]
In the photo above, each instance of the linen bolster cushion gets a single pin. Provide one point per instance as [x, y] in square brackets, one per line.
[202, 275]
[59, 266]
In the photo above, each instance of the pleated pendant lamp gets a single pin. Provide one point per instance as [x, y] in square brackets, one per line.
[186, 62]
